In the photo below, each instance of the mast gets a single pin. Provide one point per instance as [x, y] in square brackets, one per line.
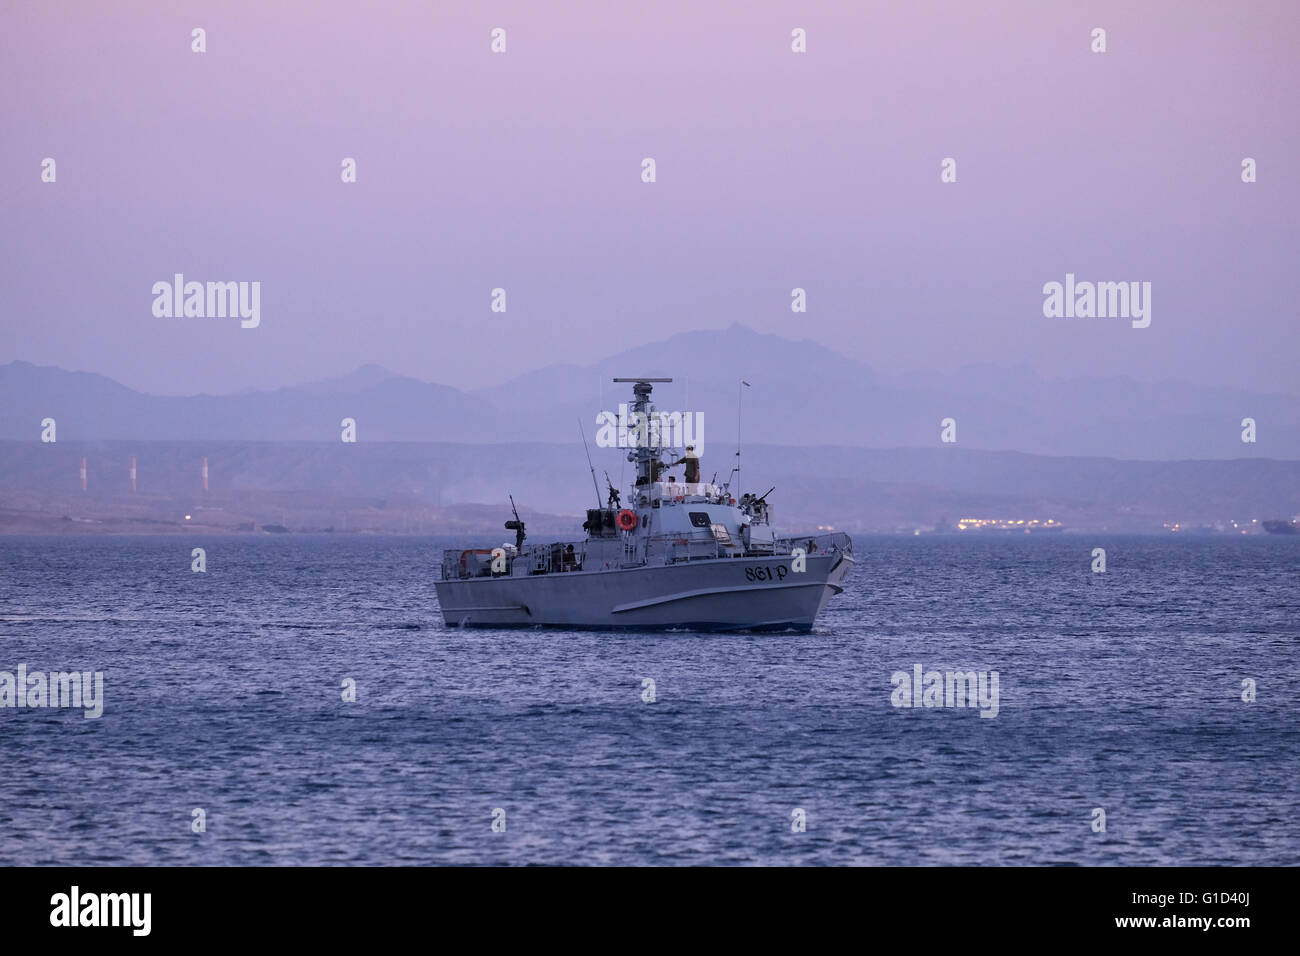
[642, 454]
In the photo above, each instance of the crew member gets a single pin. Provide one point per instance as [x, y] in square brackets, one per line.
[656, 466]
[692, 463]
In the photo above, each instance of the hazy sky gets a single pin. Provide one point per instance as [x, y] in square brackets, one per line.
[523, 171]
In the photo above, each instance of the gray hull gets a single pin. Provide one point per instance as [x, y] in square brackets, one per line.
[727, 594]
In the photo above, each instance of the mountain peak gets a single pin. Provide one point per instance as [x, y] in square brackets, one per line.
[369, 373]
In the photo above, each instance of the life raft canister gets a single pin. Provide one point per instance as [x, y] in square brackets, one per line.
[626, 520]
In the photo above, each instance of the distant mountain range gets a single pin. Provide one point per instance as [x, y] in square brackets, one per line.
[802, 394]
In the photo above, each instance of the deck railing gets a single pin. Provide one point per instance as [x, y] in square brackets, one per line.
[836, 541]
[672, 549]
[460, 563]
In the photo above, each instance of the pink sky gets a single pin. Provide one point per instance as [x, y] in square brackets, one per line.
[521, 170]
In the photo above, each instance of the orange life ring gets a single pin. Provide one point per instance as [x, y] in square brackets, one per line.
[626, 520]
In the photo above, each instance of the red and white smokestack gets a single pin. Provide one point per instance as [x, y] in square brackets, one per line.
[83, 474]
[133, 472]
[205, 474]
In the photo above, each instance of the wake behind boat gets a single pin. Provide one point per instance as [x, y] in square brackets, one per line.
[681, 555]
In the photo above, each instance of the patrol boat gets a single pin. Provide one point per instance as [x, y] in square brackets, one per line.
[683, 555]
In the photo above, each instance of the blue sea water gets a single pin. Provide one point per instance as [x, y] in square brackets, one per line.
[223, 691]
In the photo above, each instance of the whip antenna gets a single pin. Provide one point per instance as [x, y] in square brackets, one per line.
[735, 472]
[582, 431]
